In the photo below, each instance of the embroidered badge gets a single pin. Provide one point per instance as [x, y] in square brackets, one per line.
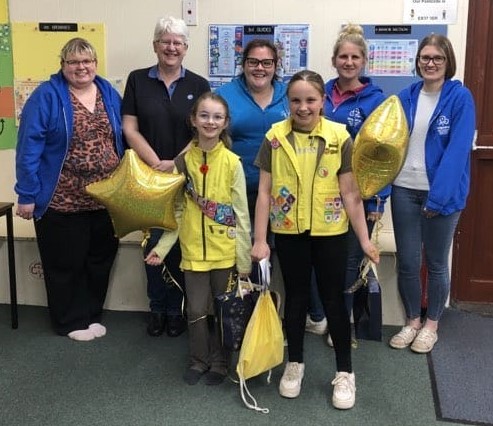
[274, 143]
[323, 172]
[333, 208]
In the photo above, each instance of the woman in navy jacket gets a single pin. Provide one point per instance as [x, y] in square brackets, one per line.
[431, 189]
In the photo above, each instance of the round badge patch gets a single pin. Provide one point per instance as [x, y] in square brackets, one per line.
[323, 172]
[231, 232]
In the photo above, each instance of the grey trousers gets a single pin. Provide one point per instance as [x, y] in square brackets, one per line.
[206, 352]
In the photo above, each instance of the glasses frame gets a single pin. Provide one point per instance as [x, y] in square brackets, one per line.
[205, 117]
[175, 44]
[423, 61]
[85, 62]
[266, 63]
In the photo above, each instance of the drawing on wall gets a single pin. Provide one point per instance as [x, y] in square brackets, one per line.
[226, 43]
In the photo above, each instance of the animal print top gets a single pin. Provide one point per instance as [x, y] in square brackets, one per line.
[91, 158]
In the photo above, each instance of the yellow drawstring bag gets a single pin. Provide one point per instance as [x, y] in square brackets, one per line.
[262, 348]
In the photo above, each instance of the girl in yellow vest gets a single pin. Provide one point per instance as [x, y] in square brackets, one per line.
[214, 232]
[308, 193]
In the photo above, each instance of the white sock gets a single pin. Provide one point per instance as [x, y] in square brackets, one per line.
[82, 335]
[98, 329]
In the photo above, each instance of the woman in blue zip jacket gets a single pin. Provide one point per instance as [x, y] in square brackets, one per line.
[431, 189]
[70, 135]
[350, 99]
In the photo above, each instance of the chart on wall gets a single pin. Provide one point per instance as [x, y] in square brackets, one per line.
[8, 131]
[226, 44]
[392, 52]
[36, 53]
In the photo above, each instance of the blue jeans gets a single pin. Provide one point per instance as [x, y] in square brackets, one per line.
[164, 297]
[413, 232]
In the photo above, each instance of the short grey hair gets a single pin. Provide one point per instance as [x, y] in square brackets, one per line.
[171, 25]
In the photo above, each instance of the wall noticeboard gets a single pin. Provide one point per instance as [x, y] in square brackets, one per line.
[226, 44]
[392, 51]
[36, 53]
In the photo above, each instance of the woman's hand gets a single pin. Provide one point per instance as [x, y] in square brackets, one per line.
[153, 259]
[25, 211]
[165, 166]
[374, 216]
[429, 213]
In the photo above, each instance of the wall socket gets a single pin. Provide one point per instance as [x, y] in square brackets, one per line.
[190, 12]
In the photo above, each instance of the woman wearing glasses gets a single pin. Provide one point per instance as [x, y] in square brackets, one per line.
[256, 99]
[70, 136]
[431, 189]
[156, 106]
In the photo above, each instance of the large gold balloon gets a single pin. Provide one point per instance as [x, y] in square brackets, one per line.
[380, 147]
[137, 196]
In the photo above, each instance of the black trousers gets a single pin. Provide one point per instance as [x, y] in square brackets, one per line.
[298, 254]
[77, 252]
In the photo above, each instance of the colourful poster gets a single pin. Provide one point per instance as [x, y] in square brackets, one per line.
[36, 53]
[8, 131]
[226, 43]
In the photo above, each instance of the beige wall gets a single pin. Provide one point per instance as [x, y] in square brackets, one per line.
[129, 30]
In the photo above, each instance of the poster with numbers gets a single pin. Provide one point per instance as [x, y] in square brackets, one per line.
[226, 44]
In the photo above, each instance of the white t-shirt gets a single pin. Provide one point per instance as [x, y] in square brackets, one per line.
[413, 173]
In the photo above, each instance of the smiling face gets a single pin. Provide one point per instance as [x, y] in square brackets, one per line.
[431, 72]
[305, 105]
[349, 61]
[209, 120]
[259, 77]
[170, 50]
[79, 69]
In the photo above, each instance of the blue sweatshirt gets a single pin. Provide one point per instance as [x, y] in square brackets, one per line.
[44, 136]
[448, 144]
[353, 112]
[250, 123]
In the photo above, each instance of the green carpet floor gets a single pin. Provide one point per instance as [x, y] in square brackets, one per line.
[128, 378]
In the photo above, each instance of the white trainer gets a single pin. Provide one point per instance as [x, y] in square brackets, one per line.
[316, 327]
[403, 338]
[344, 394]
[290, 385]
[329, 341]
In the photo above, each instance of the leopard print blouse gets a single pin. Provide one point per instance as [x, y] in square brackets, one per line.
[91, 158]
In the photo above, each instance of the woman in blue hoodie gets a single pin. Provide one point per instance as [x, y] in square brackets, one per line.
[431, 189]
[256, 100]
[350, 99]
[70, 135]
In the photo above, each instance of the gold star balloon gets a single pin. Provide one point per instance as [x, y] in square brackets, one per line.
[380, 147]
[137, 196]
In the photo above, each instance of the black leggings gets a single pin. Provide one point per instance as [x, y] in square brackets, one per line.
[298, 254]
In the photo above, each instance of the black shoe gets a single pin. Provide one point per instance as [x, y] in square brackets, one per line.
[213, 379]
[176, 325]
[157, 324]
[193, 376]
